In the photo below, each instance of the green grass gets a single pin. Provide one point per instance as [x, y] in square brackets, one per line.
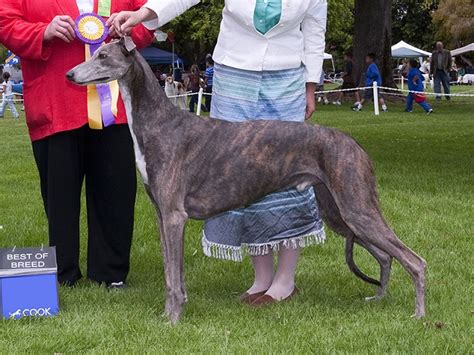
[424, 167]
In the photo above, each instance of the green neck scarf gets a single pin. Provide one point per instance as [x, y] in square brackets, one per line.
[267, 15]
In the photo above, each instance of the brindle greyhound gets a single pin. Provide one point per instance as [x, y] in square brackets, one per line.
[199, 167]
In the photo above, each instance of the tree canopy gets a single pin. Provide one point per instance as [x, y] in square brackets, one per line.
[412, 22]
[3, 54]
[455, 22]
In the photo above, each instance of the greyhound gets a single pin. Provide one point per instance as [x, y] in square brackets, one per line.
[196, 167]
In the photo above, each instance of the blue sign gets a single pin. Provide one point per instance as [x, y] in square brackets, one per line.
[28, 283]
[12, 59]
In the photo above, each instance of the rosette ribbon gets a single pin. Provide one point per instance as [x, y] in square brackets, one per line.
[101, 98]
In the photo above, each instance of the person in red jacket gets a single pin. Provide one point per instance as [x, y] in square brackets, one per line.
[66, 149]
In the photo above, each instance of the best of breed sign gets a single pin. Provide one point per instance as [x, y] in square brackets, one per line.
[28, 283]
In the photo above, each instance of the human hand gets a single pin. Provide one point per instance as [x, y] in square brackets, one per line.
[122, 23]
[61, 27]
[310, 100]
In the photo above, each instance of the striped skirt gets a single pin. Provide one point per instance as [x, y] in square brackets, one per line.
[287, 218]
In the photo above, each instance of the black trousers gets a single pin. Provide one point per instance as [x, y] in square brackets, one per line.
[106, 160]
[208, 98]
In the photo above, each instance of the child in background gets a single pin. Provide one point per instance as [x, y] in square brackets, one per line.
[208, 81]
[415, 83]
[372, 75]
[7, 89]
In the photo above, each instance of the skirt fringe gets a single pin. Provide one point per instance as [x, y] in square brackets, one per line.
[236, 253]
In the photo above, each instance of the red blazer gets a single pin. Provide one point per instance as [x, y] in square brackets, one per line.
[52, 103]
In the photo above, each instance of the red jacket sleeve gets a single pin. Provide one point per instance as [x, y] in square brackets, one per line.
[140, 35]
[23, 38]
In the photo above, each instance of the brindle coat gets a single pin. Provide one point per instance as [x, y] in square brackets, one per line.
[199, 167]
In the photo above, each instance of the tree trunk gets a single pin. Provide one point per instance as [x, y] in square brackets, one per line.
[373, 34]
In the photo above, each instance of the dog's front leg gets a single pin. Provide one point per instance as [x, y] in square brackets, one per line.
[172, 244]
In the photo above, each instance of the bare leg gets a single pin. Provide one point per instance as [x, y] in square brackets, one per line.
[264, 271]
[357, 96]
[284, 281]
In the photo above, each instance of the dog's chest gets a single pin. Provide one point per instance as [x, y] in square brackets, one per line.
[139, 156]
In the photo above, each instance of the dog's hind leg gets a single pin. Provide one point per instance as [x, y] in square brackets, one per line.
[332, 217]
[372, 229]
[351, 182]
[385, 262]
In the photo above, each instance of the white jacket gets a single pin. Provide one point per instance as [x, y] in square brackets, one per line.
[298, 38]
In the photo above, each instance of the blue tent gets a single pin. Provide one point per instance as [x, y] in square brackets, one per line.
[155, 56]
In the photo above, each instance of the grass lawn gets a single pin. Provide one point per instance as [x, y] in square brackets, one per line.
[424, 167]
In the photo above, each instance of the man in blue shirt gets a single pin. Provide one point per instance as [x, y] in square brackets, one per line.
[415, 85]
[372, 75]
[208, 80]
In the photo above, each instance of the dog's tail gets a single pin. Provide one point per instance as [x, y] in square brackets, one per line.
[352, 266]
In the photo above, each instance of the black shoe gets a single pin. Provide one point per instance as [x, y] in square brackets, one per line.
[116, 286]
[69, 284]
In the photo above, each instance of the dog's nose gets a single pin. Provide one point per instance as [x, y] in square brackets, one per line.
[70, 75]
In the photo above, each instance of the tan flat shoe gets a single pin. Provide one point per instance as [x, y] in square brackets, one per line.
[267, 300]
[249, 298]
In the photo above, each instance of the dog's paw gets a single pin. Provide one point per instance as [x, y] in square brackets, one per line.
[372, 298]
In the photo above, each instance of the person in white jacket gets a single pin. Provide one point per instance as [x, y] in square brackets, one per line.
[268, 59]
[6, 88]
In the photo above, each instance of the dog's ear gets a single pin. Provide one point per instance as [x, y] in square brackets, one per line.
[128, 46]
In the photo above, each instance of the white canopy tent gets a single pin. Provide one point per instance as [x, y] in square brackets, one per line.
[328, 56]
[468, 48]
[405, 50]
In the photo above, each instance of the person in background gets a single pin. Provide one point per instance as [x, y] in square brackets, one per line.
[322, 96]
[162, 79]
[157, 73]
[415, 83]
[194, 83]
[67, 151]
[461, 73]
[425, 70]
[372, 75]
[348, 79]
[440, 67]
[7, 90]
[268, 59]
[208, 81]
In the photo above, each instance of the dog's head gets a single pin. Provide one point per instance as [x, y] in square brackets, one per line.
[110, 62]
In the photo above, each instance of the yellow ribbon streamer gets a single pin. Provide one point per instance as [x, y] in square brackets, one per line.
[94, 111]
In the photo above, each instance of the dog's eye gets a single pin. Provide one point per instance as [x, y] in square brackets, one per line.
[102, 55]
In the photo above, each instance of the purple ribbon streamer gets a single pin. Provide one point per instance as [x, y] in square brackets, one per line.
[105, 97]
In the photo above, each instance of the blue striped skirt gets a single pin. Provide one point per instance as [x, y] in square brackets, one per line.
[288, 218]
